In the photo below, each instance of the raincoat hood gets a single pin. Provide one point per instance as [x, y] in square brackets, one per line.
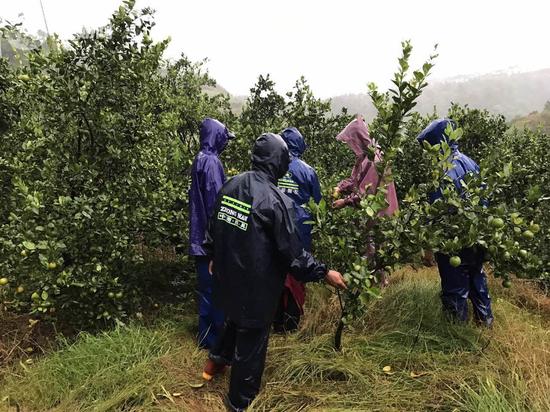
[214, 136]
[364, 176]
[356, 136]
[434, 133]
[295, 141]
[270, 155]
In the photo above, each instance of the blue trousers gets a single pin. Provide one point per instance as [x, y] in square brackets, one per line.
[467, 281]
[210, 318]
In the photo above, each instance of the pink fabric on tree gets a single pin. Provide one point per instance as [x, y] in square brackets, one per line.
[364, 177]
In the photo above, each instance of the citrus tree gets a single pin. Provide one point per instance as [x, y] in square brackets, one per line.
[474, 216]
[93, 159]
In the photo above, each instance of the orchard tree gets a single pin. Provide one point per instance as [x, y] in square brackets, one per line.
[92, 165]
[319, 126]
[471, 217]
[267, 111]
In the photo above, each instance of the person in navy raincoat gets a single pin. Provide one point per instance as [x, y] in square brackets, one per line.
[207, 178]
[301, 184]
[468, 280]
[254, 242]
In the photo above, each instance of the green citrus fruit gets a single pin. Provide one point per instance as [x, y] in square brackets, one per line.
[455, 261]
[20, 289]
[23, 253]
[506, 283]
[497, 223]
[528, 235]
[523, 253]
[4, 281]
[111, 295]
[517, 221]
[52, 265]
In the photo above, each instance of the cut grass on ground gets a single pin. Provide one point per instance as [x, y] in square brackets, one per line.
[436, 365]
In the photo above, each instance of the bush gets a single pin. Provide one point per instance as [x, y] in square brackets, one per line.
[93, 168]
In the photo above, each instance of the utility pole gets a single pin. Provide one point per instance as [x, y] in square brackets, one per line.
[44, 16]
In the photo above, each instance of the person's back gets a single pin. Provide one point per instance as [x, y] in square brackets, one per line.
[207, 178]
[254, 242]
[300, 183]
[252, 203]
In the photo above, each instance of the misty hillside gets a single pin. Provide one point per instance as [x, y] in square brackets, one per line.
[513, 95]
[536, 120]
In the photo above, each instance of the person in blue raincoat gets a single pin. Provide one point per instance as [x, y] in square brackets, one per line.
[468, 280]
[301, 184]
[207, 178]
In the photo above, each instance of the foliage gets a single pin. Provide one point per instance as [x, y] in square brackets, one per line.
[535, 120]
[313, 118]
[92, 169]
[97, 137]
[527, 151]
[347, 244]
[481, 132]
[476, 216]
[266, 110]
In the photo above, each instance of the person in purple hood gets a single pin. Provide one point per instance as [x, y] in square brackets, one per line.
[207, 178]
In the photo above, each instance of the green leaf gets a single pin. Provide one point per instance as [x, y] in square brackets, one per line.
[29, 245]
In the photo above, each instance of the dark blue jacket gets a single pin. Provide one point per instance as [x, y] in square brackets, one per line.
[300, 183]
[462, 164]
[207, 178]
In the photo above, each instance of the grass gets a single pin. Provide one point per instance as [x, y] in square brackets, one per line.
[436, 365]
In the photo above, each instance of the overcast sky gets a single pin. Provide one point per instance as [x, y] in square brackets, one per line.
[339, 46]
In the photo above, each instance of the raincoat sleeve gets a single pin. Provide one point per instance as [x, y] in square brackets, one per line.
[303, 266]
[213, 178]
[208, 244]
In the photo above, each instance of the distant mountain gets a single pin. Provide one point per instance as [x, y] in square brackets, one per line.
[510, 94]
[236, 102]
[535, 120]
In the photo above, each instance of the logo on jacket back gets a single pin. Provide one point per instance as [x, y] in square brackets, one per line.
[287, 185]
[235, 212]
